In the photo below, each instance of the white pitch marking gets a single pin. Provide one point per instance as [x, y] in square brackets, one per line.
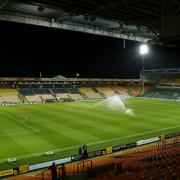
[99, 142]
[14, 134]
[134, 135]
[25, 118]
[25, 124]
[22, 121]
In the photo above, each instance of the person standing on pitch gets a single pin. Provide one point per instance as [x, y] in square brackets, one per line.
[80, 150]
[85, 155]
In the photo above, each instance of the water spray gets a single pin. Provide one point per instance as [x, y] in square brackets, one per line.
[115, 102]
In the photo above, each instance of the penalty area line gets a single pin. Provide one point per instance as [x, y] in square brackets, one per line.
[30, 127]
[14, 134]
[98, 142]
[23, 122]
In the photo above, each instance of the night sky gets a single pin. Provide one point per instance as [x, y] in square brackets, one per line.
[27, 50]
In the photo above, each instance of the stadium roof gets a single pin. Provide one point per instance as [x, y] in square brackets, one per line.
[128, 19]
[59, 77]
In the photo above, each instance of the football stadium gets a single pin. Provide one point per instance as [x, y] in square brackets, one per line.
[94, 127]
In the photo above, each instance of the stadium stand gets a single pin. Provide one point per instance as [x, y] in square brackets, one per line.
[73, 90]
[69, 93]
[34, 98]
[121, 90]
[170, 79]
[9, 96]
[37, 91]
[89, 93]
[29, 95]
[26, 92]
[134, 90]
[59, 90]
[44, 93]
[37, 94]
[74, 93]
[62, 96]
[106, 91]
[47, 97]
[41, 91]
[155, 161]
[96, 90]
[111, 90]
[147, 88]
[164, 93]
[76, 97]
[166, 85]
[177, 80]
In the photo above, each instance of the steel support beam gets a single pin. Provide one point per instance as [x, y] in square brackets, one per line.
[19, 18]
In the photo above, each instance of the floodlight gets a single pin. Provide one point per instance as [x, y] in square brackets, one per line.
[143, 49]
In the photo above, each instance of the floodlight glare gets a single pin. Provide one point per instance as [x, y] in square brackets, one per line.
[143, 49]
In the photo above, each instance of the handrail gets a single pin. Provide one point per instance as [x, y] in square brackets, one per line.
[83, 162]
[58, 171]
[43, 174]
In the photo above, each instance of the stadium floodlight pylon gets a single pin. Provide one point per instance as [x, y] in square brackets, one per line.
[143, 50]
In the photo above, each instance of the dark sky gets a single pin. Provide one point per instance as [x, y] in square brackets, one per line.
[26, 50]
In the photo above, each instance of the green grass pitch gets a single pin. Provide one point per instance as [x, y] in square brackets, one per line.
[28, 130]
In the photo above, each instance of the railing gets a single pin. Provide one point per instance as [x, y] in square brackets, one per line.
[43, 174]
[83, 163]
